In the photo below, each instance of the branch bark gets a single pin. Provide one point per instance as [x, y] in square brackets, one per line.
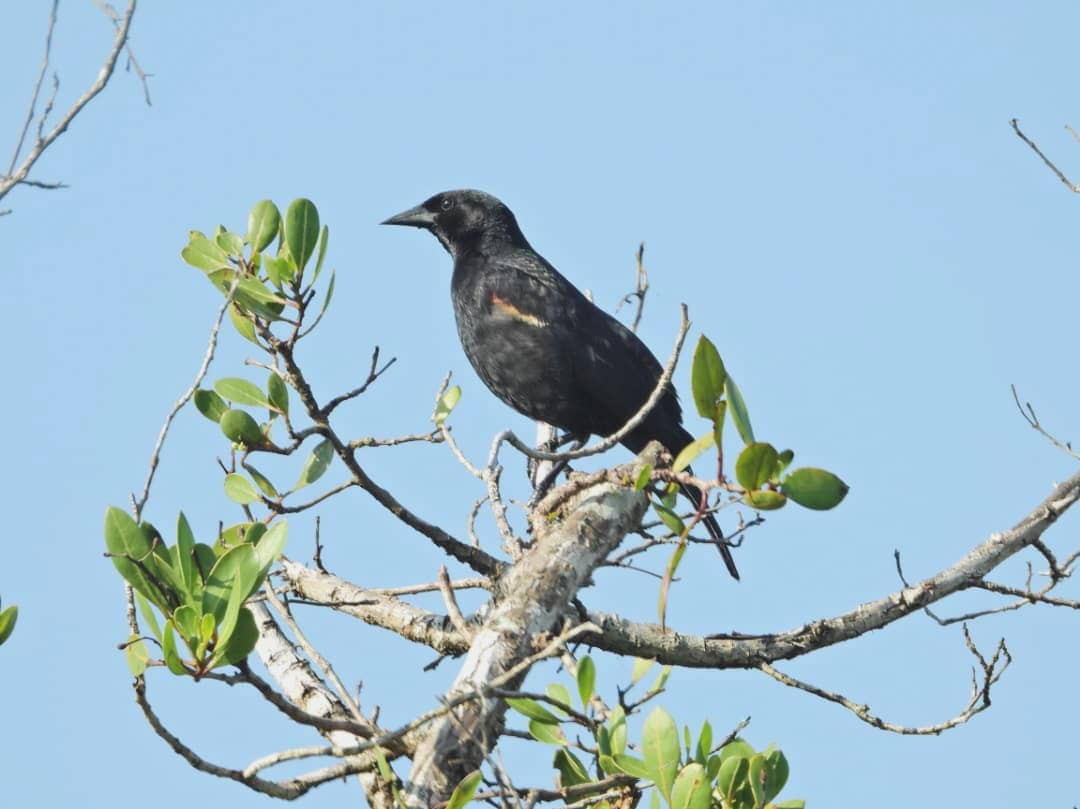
[531, 601]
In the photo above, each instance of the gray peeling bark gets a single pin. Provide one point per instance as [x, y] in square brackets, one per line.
[532, 601]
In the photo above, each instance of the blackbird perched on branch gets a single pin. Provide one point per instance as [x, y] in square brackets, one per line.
[538, 343]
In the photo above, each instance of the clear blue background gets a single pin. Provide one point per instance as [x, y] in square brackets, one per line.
[833, 188]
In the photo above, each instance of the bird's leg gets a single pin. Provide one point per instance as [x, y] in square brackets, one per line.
[543, 484]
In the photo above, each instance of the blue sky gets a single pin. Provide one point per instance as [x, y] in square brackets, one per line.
[833, 189]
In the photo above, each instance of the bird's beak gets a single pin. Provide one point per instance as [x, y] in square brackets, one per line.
[418, 217]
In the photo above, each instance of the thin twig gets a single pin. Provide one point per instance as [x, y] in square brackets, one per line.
[15, 176]
[155, 456]
[1071, 186]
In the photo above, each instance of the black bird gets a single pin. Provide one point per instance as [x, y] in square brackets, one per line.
[538, 343]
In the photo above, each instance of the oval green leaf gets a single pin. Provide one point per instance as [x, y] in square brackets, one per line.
[262, 481]
[739, 414]
[204, 254]
[464, 791]
[241, 391]
[561, 694]
[240, 427]
[278, 393]
[765, 500]
[692, 789]
[660, 745]
[546, 733]
[7, 622]
[707, 376]
[210, 404]
[692, 451]
[239, 489]
[571, 770]
[446, 404]
[814, 488]
[755, 465]
[586, 679]
[263, 223]
[301, 230]
[317, 464]
[533, 710]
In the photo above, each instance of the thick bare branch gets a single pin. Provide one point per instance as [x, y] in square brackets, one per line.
[532, 599]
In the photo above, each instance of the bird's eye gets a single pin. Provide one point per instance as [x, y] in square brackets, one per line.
[446, 204]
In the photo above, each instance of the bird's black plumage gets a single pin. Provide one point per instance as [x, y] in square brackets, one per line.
[537, 342]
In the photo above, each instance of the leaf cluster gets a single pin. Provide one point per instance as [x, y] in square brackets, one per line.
[198, 589]
[684, 774]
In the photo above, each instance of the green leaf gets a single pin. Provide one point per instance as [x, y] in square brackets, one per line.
[130, 550]
[718, 423]
[236, 569]
[148, 615]
[559, 693]
[278, 393]
[447, 402]
[631, 766]
[643, 477]
[641, 668]
[739, 413]
[736, 749]
[231, 243]
[668, 578]
[7, 622]
[586, 679]
[755, 465]
[210, 404]
[704, 743]
[239, 489]
[533, 710]
[692, 450]
[672, 521]
[765, 500]
[207, 627]
[262, 482]
[464, 791]
[324, 239]
[263, 223]
[617, 726]
[546, 733]
[204, 254]
[661, 680]
[814, 488]
[707, 376]
[783, 461]
[301, 230]
[186, 620]
[168, 647]
[280, 270]
[138, 658]
[241, 428]
[776, 773]
[731, 778]
[250, 532]
[183, 558]
[317, 464]
[244, 327]
[241, 391]
[793, 804]
[267, 551]
[571, 770]
[241, 642]
[329, 294]
[692, 789]
[660, 745]
[756, 777]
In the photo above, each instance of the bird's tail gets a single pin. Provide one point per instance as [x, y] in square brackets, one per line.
[713, 527]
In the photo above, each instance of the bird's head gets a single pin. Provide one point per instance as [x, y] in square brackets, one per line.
[460, 219]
